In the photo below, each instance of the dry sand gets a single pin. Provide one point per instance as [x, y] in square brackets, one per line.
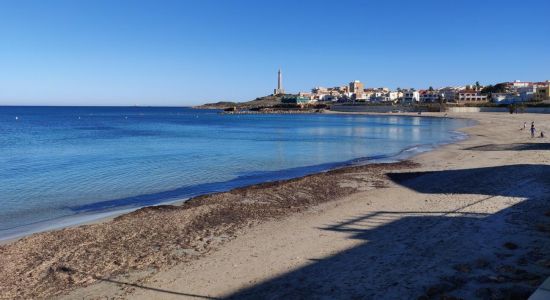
[469, 220]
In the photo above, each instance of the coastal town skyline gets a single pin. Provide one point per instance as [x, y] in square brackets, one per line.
[100, 53]
[358, 92]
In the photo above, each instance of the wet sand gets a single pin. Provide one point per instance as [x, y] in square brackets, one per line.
[467, 220]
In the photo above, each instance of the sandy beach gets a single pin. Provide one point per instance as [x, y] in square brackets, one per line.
[468, 220]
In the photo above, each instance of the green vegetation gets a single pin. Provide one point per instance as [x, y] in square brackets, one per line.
[492, 89]
[258, 103]
[227, 103]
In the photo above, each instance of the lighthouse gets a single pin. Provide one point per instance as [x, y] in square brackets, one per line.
[279, 90]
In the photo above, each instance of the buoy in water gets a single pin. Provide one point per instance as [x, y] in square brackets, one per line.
[16, 118]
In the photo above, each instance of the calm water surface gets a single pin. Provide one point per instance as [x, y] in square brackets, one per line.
[60, 164]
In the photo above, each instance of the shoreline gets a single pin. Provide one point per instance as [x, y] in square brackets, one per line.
[75, 220]
[197, 232]
[207, 221]
[468, 239]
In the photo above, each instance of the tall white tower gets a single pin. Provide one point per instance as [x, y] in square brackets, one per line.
[279, 90]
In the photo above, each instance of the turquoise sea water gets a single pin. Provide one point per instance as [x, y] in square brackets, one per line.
[63, 165]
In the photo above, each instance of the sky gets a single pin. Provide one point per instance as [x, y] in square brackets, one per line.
[180, 53]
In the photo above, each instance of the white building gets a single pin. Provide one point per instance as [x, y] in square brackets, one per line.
[410, 96]
[387, 97]
[519, 84]
[392, 96]
[450, 93]
[429, 96]
[503, 98]
[378, 93]
[525, 95]
[470, 96]
[359, 96]
[326, 94]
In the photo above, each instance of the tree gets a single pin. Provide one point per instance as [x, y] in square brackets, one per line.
[492, 89]
[478, 86]
[430, 89]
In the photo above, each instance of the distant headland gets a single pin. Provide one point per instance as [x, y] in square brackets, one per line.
[512, 94]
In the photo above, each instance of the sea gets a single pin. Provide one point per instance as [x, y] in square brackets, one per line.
[61, 166]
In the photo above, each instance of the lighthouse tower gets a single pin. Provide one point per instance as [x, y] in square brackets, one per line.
[279, 90]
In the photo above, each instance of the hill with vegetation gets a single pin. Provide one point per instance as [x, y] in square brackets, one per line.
[260, 102]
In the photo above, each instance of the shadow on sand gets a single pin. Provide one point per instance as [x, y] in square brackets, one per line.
[511, 147]
[406, 254]
[135, 285]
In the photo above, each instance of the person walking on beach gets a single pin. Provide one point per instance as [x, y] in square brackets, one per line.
[524, 125]
[532, 129]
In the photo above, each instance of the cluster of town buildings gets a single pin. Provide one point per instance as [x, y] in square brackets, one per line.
[355, 91]
[521, 91]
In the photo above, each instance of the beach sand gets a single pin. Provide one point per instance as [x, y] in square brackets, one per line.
[468, 220]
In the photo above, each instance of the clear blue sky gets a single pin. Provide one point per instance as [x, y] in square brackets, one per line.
[113, 52]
